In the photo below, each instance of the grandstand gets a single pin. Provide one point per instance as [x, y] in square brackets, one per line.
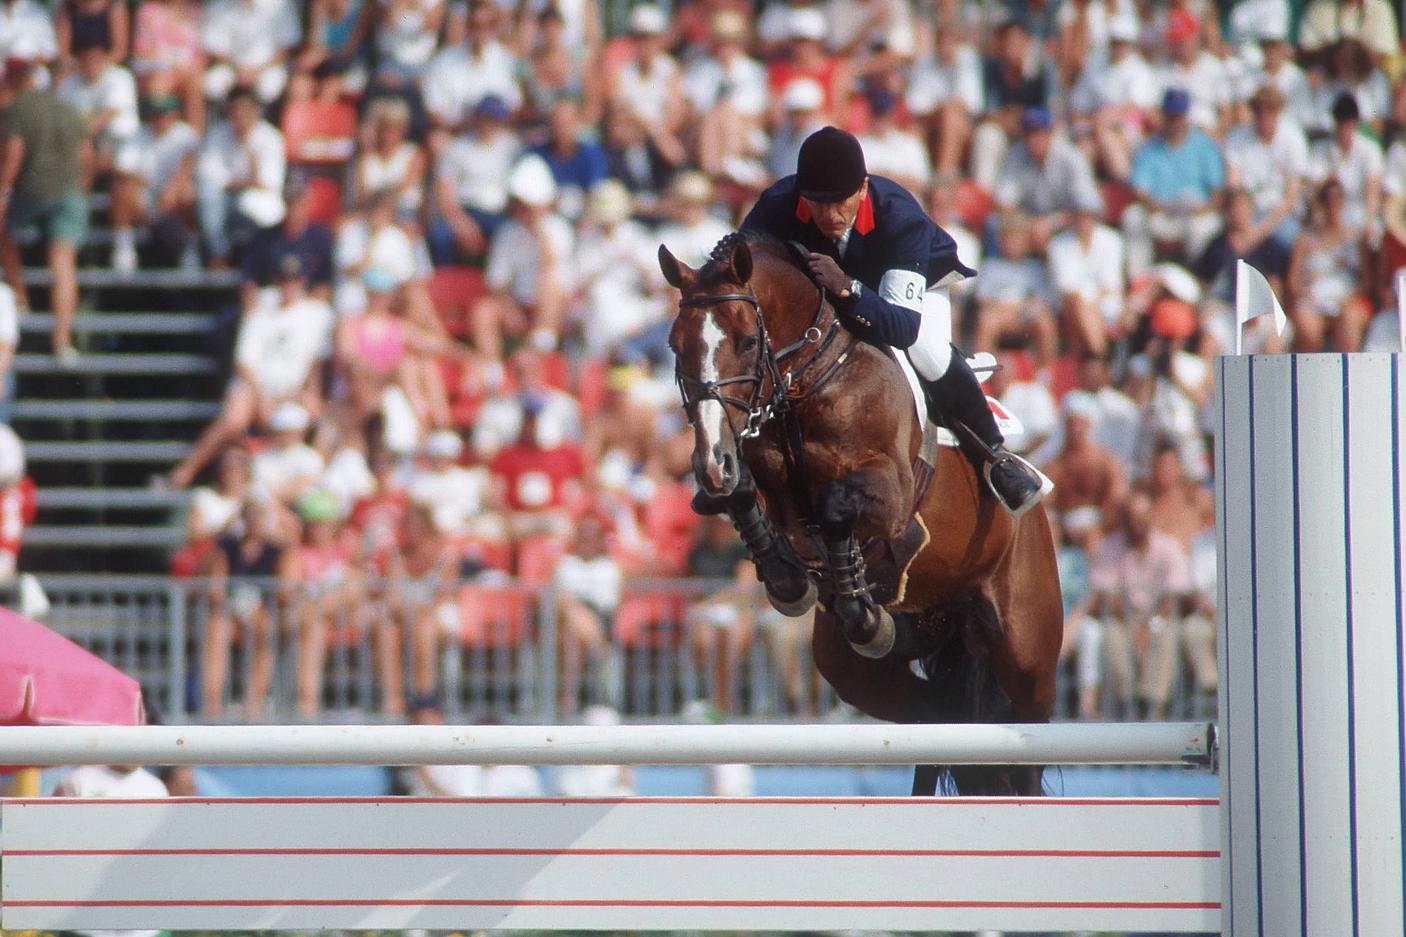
[456, 206]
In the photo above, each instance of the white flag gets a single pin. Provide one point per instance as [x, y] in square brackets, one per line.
[1254, 298]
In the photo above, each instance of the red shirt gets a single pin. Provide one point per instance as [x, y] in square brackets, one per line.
[17, 509]
[537, 479]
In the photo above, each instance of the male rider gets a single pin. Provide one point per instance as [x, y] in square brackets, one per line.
[886, 265]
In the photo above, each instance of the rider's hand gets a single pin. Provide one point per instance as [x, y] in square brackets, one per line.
[827, 274]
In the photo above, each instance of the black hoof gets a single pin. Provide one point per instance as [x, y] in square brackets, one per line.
[883, 634]
[791, 602]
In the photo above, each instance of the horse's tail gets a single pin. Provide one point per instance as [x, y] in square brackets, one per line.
[961, 674]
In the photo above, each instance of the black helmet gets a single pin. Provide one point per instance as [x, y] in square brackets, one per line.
[831, 166]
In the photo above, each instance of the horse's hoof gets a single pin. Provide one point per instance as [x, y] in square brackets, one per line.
[796, 607]
[885, 635]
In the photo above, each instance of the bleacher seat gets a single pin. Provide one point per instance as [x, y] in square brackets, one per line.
[494, 616]
[537, 559]
[650, 620]
[454, 290]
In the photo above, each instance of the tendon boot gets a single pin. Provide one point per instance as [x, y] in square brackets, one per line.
[867, 627]
[1017, 485]
[789, 588]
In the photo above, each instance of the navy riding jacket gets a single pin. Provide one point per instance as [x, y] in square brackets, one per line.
[891, 232]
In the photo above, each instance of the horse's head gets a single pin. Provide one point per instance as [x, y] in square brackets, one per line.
[717, 341]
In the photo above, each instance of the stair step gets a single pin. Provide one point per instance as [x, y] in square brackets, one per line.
[156, 411]
[126, 323]
[43, 535]
[105, 451]
[115, 498]
[161, 363]
[169, 278]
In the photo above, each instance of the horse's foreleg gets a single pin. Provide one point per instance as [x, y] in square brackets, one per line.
[865, 496]
[885, 689]
[789, 588]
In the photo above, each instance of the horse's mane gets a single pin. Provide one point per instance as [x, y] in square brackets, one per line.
[717, 268]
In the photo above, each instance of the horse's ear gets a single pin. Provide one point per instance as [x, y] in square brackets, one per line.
[675, 271]
[741, 261]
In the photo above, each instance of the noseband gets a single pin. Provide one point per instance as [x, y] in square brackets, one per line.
[760, 408]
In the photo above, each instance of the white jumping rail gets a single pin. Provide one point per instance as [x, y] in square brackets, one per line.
[632, 864]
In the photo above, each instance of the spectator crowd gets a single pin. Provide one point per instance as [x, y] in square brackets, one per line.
[451, 348]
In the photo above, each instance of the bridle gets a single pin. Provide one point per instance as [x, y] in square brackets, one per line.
[759, 407]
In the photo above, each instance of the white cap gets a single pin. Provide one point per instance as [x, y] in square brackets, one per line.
[288, 417]
[1080, 403]
[1180, 282]
[444, 444]
[609, 202]
[531, 182]
[807, 23]
[11, 457]
[1272, 26]
[1123, 28]
[648, 20]
[803, 94]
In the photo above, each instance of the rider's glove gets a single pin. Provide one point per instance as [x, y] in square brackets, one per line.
[828, 276]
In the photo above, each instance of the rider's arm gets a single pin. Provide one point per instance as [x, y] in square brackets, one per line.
[889, 311]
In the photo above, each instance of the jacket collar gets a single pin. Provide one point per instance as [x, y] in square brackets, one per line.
[863, 219]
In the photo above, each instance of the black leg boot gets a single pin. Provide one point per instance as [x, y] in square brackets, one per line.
[958, 396]
[869, 629]
[789, 587]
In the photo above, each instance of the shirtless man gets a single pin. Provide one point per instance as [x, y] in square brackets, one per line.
[1089, 479]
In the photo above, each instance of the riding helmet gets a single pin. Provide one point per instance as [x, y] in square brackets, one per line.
[831, 166]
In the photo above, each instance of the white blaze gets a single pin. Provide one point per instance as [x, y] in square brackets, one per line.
[710, 412]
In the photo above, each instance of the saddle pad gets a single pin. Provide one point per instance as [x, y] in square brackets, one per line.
[933, 435]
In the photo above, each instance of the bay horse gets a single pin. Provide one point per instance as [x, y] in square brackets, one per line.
[808, 438]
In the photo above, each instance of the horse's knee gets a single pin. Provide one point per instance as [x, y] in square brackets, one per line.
[839, 505]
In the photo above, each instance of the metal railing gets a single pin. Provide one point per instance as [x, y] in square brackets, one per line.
[490, 648]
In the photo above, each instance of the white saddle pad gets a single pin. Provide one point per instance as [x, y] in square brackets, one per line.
[933, 435]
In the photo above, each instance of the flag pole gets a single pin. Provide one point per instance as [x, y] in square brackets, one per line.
[1242, 299]
[1401, 310]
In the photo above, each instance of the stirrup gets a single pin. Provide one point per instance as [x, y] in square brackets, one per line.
[1046, 485]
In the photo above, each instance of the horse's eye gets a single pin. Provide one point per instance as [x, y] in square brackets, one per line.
[749, 343]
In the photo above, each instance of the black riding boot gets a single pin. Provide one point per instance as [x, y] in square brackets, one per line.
[789, 588]
[958, 396]
[867, 627]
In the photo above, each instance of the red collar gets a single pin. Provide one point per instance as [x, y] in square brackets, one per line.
[863, 219]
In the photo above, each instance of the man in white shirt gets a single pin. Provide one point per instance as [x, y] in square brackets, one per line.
[248, 43]
[456, 495]
[528, 273]
[288, 468]
[728, 94]
[471, 187]
[1087, 267]
[1043, 176]
[892, 151]
[459, 76]
[1280, 70]
[945, 94]
[155, 183]
[106, 95]
[1269, 159]
[1356, 161]
[619, 287]
[1113, 99]
[277, 358]
[692, 231]
[240, 176]
[1197, 72]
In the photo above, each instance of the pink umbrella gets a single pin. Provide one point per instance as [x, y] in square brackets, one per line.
[46, 679]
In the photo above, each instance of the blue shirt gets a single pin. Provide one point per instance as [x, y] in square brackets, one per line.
[577, 173]
[1189, 173]
[891, 232]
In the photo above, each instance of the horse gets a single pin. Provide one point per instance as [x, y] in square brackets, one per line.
[809, 439]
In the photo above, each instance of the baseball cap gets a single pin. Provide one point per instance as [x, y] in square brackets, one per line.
[803, 94]
[493, 107]
[319, 505]
[1176, 102]
[647, 20]
[531, 182]
[444, 444]
[1036, 118]
[1182, 24]
[378, 280]
[1172, 318]
[807, 23]
[1122, 28]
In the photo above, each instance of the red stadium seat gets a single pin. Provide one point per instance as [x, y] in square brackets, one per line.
[669, 523]
[652, 620]
[973, 204]
[454, 291]
[319, 133]
[494, 616]
[537, 559]
[590, 386]
[324, 200]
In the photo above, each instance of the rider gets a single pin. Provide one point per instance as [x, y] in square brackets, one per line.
[885, 265]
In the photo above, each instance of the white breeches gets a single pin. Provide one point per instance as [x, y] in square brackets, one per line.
[932, 351]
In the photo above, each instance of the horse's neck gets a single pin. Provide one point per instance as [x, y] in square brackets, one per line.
[789, 305]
